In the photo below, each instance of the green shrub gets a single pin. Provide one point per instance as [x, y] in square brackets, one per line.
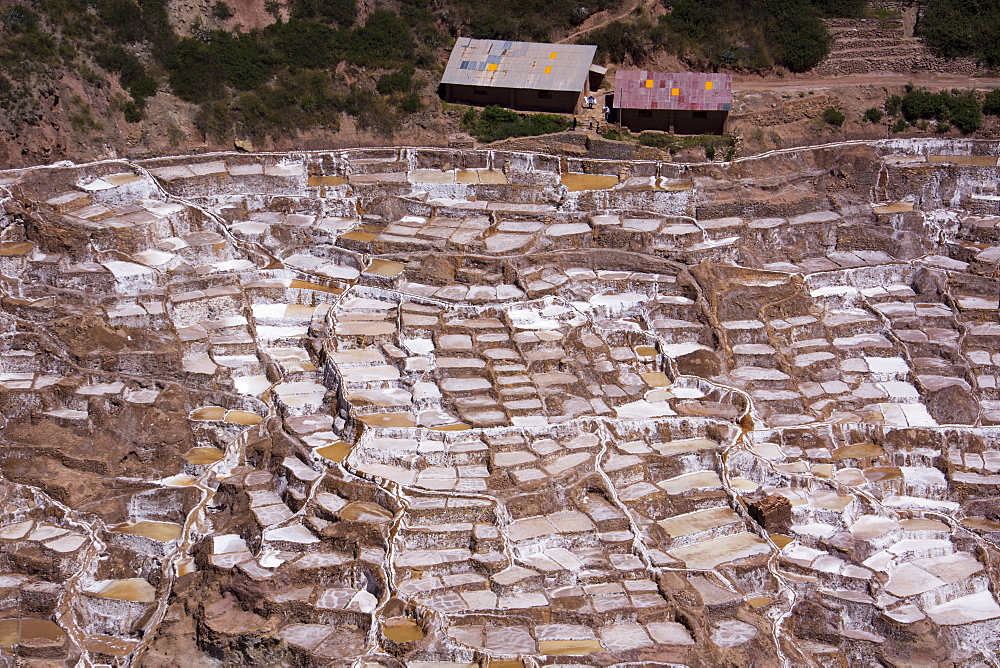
[616, 134]
[214, 121]
[529, 20]
[243, 59]
[342, 13]
[411, 103]
[195, 71]
[956, 28]
[124, 17]
[133, 112]
[892, 105]
[991, 106]
[833, 116]
[19, 19]
[960, 108]
[802, 41]
[841, 8]
[222, 11]
[495, 123]
[943, 126]
[384, 41]
[873, 115]
[400, 81]
[674, 143]
[304, 44]
[900, 125]
[621, 40]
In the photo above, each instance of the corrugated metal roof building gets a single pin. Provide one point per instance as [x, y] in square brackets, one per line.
[682, 102]
[518, 75]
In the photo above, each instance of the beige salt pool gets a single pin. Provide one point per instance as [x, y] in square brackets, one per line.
[136, 590]
[388, 420]
[580, 182]
[385, 268]
[160, 531]
[484, 176]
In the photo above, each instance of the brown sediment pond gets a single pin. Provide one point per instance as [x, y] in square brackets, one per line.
[160, 531]
[893, 207]
[920, 524]
[570, 647]
[136, 590]
[780, 540]
[243, 417]
[401, 630]
[8, 248]
[40, 632]
[981, 524]
[656, 379]
[316, 181]
[203, 456]
[208, 413]
[359, 511]
[335, 452]
[122, 179]
[117, 647]
[458, 426]
[358, 235]
[431, 176]
[179, 480]
[580, 182]
[965, 160]
[305, 285]
[858, 451]
[385, 268]
[881, 473]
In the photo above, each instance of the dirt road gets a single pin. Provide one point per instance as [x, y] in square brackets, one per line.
[806, 83]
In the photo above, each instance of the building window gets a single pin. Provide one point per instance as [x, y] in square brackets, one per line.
[699, 115]
[544, 95]
[645, 113]
[479, 91]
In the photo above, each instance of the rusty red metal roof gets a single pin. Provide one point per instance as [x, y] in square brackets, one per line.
[693, 91]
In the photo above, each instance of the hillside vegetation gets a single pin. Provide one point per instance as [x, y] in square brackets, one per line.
[319, 58]
[754, 34]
